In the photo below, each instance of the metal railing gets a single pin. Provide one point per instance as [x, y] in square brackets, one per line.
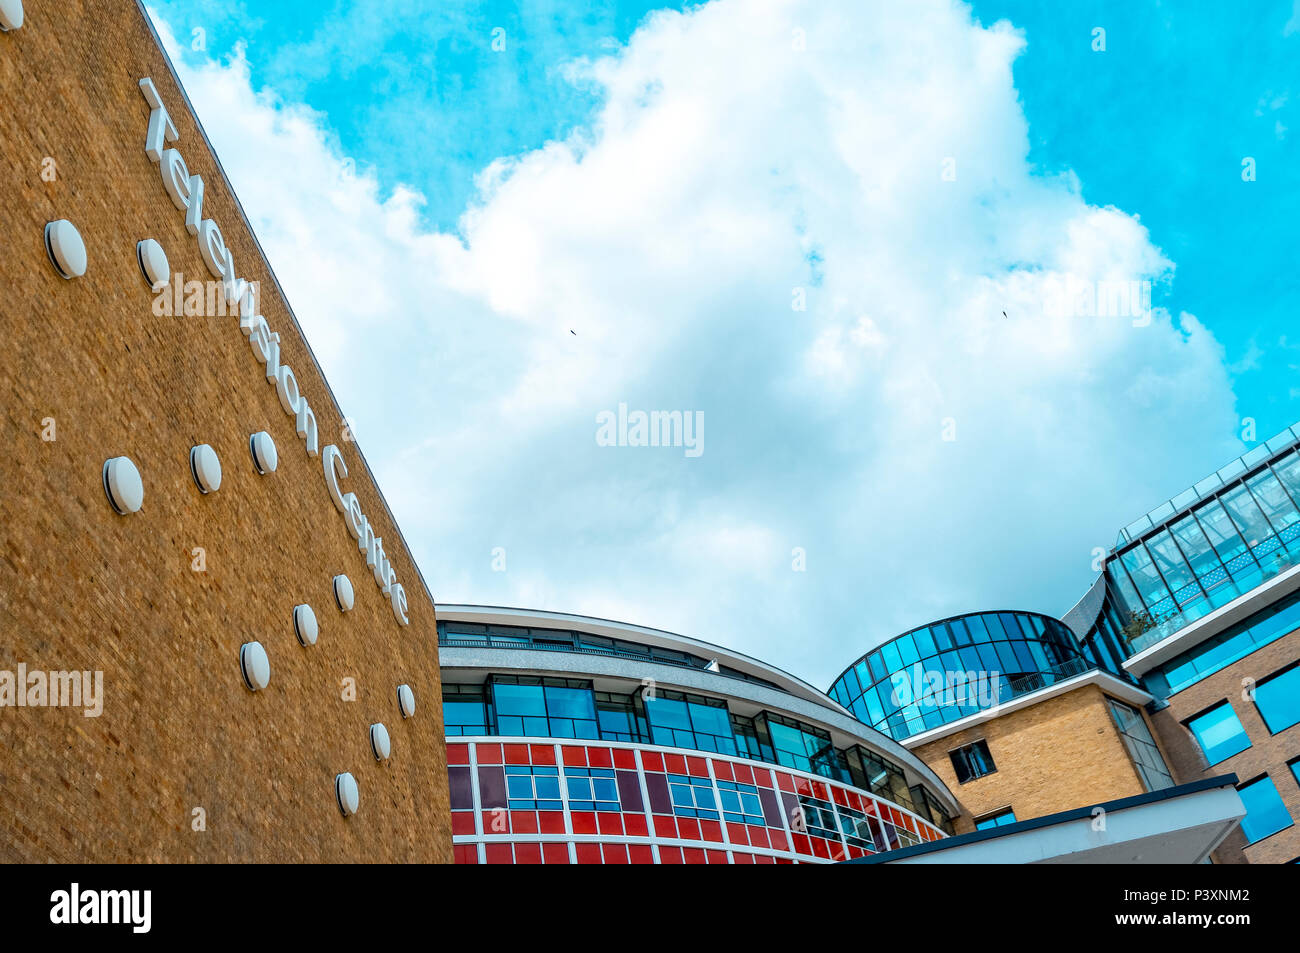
[490, 642]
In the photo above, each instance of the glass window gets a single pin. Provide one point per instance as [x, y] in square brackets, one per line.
[1265, 812]
[1151, 767]
[592, 789]
[740, 803]
[1143, 573]
[1278, 699]
[972, 761]
[533, 788]
[1227, 647]
[464, 711]
[1220, 530]
[619, 718]
[690, 721]
[543, 707]
[1219, 733]
[1000, 819]
[924, 642]
[1254, 527]
[1196, 547]
[1273, 500]
[796, 746]
[1172, 565]
[692, 797]
[1288, 470]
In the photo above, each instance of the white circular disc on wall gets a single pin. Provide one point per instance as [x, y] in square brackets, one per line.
[153, 262]
[406, 700]
[343, 592]
[262, 447]
[11, 14]
[379, 742]
[346, 794]
[254, 665]
[66, 249]
[122, 485]
[305, 625]
[205, 467]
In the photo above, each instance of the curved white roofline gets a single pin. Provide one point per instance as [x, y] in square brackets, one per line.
[644, 635]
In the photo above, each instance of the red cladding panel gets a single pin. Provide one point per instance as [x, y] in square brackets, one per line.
[652, 760]
[697, 767]
[556, 853]
[711, 830]
[743, 858]
[641, 854]
[599, 758]
[528, 853]
[542, 754]
[462, 822]
[670, 855]
[689, 828]
[458, 754]
[695, 855]
[717, 856]
[588, 853]
[574, 756]
[625, 758]
[744, 773]
[615, 853]
[635, 825]
[722, 770]
[675, 763]
[516, 754]
[465, 853]
[584, 822]
[665, 826]
[551, 822]
[488, 754]
[523, 822]
[499, 854]
[609, 823]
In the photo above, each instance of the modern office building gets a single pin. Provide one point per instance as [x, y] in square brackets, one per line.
[1180, 663]
[214, 644]
[580, 740]
[1199, 604]
[1165, 702]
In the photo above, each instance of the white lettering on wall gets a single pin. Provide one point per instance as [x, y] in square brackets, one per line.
[186, 192]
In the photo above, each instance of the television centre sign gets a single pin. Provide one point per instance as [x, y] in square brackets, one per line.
[186, 192]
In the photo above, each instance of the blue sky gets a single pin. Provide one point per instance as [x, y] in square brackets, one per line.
[666, 184]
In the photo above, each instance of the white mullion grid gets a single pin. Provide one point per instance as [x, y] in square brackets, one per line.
[839, 820]
[564, 801]
[645, 805]
[717, 800]
[478, 800]
[780, 808]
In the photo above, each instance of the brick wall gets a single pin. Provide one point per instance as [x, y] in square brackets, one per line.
[1062, 753]
[1268, 753]
[84, 588]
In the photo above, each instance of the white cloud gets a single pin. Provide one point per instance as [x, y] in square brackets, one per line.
[725, 169]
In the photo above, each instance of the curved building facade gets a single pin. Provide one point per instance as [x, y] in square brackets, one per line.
[580, 740]
[939, 673]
